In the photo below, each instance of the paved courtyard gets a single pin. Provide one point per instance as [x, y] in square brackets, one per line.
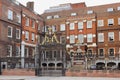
[53, 78]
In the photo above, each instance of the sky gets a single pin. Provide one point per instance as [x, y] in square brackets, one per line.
[41, 5]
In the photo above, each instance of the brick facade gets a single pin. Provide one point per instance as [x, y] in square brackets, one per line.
[78, 26]
[12, 38]
[84, 14]
[9, 40]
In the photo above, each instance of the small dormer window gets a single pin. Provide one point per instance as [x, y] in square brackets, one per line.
[109, 9]
[49, 17]
[118, 8]
[73, 14]
[56, 16]
[90, 12]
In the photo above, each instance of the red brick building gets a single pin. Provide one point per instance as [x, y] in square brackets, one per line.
[19, 26]
[89, 32]
[31, 23]
[108, 33]
[10, 33]
[96, 26]
[77, 25]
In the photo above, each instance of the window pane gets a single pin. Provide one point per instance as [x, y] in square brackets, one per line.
[90, 12]
[33, 37]
[9, 31]
[10, 14]
[33, 24]
[89, 37]
[111, 36]
[26, 52]
[54, 28]
[80, 25]
[18, 18]
[9, 51]
[72, 39]
[110, 22]
[17, 33]
[81, 38]
[27, 35]
[17, 51]
[71, 26]
[100, 23]
[56, 16]
[62, 39]
[62, 27]
[110, 9]
[27, 21]
[90, 53]
[118, 21]
[101, 52]
[111, 52]
[100, 37]
[89, 24]
[73, 14]
[49, 17]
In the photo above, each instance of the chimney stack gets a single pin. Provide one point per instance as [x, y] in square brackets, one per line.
[30, 5]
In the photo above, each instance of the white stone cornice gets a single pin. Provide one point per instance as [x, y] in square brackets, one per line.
[67, 22]
[93, 19]
[28, 44]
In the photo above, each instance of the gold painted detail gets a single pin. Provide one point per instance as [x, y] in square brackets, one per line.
[50, 37]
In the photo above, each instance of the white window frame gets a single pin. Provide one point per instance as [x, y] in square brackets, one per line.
[119, 35]
[119, 21]
[73, 14]
[26, 35]
[81, 38]
[56, 16]
[18, 54]
[33, 52]
[100, 23]
[33, 37]
[10, 14]
[18, 18]
[39, 27]
[11, 31]
[89, 38]
[62, 27]
[27, 54]
[89, 24]
[80, 25]
[109, 52]
[10, 51]
[33, 23]
[18, 35]
[90, 54]
[111, 34]
[61, 39]
[54, 28]
[110, 10]
[27, 21]
[72, 39]
[100, 37]
[118, 8]
[110, 22]
[49, 17]
[90, 12]
[72, 26]
[38, 38]
[103, 52]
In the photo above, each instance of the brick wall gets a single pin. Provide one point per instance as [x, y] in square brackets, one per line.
[93, 73]
[18, 72]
